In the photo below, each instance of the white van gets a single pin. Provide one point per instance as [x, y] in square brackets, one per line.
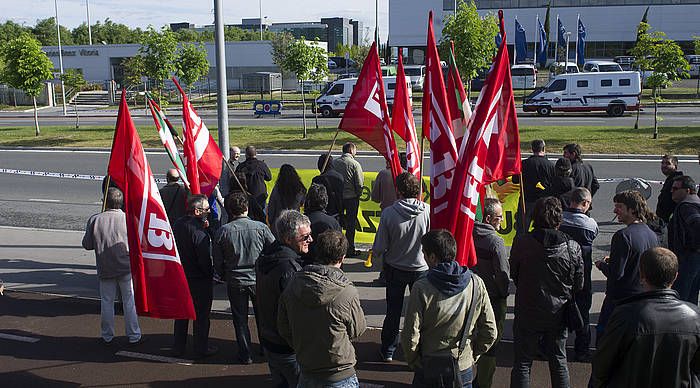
[601, 66]
[416, 73]
[523, 76]
[694, 62]
[614, 93]
[333, 101]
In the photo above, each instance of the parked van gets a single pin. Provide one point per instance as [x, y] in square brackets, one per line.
[523, 76]
[694, 62]
[333, 101]
[416, 73]
[601, 66]
[613, 92]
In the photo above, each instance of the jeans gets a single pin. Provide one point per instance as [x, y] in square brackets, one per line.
[526, 345]
[351, 206]
[396, 282]
[309, 382]
[283, 368]
[688, 282]
[202, 294]
[584, 301]
[238, 297]
[466, 375]
[486, 366]
[108, 293]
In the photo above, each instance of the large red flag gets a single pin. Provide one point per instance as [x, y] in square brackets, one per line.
[403, 122]
[489, 154]
[200, 146]
[437, 127]
[460, 111]
[160, 287]
[367, 115]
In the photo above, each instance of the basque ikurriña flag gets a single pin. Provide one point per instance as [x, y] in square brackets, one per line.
[165, 132]
[492, 151]
[460, 110]
[403, 121]
[160, 286]
[200, 147]
[437, 127]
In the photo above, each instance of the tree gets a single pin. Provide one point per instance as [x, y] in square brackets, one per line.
[357, 53]
[11, 30]
[159, 55]
[192, 63]
[134, 68]
[74, 79]
[26, 68]
[663, 58]
[696, 50]
[280, 48]
[473, 37]
[307, 61]
[45, 33]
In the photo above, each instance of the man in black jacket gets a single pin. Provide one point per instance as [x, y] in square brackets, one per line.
[194, 244]
[581, 172]
[174, 196]
[333, 182]
[273, 272]
[652, 339]
[537, 173]
[665, 204]
[256, 174]
[315, 208]
[684, 237]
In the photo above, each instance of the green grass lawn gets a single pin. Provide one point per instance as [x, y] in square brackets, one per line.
[677, 140]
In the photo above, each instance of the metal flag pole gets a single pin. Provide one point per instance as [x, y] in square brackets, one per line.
[537, 32]
[60, 57]
[556, 44]
[578, 21]
[515, 46]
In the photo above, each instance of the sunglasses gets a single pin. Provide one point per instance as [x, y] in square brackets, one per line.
[306, 238]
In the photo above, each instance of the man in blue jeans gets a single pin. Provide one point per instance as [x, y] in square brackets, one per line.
[397, 243]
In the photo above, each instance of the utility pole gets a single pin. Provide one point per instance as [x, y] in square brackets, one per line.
[60, 56]
[221, 96]
[260, 18]
[87, 4]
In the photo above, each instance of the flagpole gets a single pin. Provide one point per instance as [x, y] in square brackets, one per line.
[556, 44]
[104, 195]
[515, 46]
[522, 202]
[328, 155]
[537, 32]
[233, 173]
[578, 21]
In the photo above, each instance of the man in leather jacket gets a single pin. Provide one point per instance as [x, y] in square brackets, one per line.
[652, 338]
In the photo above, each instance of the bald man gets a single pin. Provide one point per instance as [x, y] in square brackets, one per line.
[174, 196]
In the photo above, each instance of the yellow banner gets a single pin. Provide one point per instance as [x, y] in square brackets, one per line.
[369, 212]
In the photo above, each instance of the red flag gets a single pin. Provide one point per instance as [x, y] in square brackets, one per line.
[367, 116]
[460, 111]
[160, 287]
[489, 154]
[437, 127]
[404, 124]
[200, 146]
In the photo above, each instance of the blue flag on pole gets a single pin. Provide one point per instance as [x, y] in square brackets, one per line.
[542, 45]
[561, 33]
[581, 43]
[520, 43]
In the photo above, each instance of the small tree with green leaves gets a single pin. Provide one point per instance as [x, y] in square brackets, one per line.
[663, 58]
[280, 48]
[159, 51]
[192, 64]
[308, 62]
[134, 69]
[26, 68]
[696, 50]
[74, 79]
[473, 36]
[357, 53]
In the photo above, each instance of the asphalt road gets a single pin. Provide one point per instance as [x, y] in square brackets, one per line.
[675, 116]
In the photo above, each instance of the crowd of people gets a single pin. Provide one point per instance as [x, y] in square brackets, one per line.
[288, 266]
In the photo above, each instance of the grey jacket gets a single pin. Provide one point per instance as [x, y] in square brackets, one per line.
[105, 233]
[401, 227]
[492, 260]
[319, 314]
[236, 247]
[353, 178]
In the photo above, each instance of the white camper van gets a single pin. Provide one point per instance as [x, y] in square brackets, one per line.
[614, 93]
[332, 102]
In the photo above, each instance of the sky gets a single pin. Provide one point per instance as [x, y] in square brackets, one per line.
[142, 13]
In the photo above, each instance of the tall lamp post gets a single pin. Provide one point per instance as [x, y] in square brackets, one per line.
[60, 56]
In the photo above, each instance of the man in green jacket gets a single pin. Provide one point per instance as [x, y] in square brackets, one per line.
[320, 314]
[431, 327]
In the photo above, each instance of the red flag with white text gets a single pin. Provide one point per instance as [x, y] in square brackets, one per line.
[460, 111]
[403, 122]
[437, 127]
[367, 115]
[489, 153]
[160, 286]
[206, 152]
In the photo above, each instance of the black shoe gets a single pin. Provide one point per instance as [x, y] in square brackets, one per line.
[246, 361]
[176, 352]
[139, 342]
[211, 350]
[103, 342]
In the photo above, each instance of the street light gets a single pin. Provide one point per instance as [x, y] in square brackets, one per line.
[60, 56]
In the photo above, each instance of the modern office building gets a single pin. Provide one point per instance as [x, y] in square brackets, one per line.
[611, 25]
[340, 31]
[308, 30]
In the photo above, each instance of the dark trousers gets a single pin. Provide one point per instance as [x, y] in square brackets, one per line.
[238, 297]
[605, 312]
[201, 291]
[396, 283]
[486, 366]
[527, 345]
[584, 301]
[419, 381]
[351, 206]
[688, 282]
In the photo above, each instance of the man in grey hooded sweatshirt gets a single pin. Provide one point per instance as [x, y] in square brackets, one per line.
[397, 243]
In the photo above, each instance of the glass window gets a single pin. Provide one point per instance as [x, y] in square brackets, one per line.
[557, 85]
[606, 83]
[624, 82]
[582, 84]
[337, 89]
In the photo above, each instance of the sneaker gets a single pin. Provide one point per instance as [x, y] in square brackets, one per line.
[211, 350]
[139, 342]
[386, 358]
[246, 361]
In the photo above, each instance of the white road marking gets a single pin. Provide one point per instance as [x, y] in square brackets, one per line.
[151, 357]
[43, 200]
[20, 338]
